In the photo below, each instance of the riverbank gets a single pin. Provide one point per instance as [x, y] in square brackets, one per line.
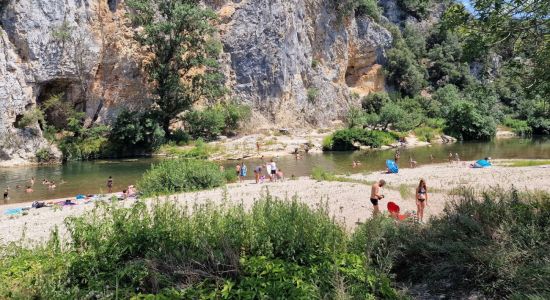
[347, 201]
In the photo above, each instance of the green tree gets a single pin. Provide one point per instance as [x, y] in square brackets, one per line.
[184, 67]
[468, 123]
[403, 69]
[373, 102]
[134, 132]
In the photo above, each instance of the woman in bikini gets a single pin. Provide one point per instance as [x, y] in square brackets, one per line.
[421, 199]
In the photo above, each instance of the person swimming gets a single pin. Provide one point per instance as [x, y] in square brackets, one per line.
[28, 189]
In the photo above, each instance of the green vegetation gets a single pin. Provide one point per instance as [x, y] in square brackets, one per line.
[494, 242]
[44, 155]
[520, 127]
[528, 163]
[209, 123]
[312, 94]
[277, 249]
[180, 175]
[135, 132]
[358, 8]
[351, 138]
[426, 133]
[171, 29]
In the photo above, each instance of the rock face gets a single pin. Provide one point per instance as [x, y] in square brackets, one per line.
[294, 61]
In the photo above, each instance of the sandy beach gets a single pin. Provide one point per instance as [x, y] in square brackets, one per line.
[348, 202]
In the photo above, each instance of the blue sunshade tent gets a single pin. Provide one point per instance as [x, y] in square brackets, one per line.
[392, 166]
[482, 163]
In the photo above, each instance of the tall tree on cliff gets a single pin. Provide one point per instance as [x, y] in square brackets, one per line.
[183, 67]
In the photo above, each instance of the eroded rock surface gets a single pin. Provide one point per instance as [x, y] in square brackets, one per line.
[294, 61]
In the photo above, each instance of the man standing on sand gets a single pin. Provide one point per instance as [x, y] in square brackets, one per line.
[110, 184]
[375, 195]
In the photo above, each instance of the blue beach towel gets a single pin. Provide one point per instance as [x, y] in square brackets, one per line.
[13, 211]
[392, 166]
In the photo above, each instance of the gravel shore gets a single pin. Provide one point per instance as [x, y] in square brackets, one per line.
[348, 202]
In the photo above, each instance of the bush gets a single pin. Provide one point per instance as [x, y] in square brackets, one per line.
[495, 243]
[134, 132]
[276, 249]
[427, 134]
[350, 139]
[520, 127]
[369, 8]
[373, 102]
[180, 175]
[312, 94]
[207, 124]
[465, 121]
[230, 176]
[44, 155]
[31, 118]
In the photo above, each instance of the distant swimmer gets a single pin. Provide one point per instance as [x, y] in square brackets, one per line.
[28, 189]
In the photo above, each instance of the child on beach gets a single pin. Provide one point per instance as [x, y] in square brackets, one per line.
[110, 184]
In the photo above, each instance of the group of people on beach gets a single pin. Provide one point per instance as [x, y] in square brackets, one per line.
[271, 171]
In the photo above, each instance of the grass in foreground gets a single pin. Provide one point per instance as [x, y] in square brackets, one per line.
[277, 249]
[494, 242]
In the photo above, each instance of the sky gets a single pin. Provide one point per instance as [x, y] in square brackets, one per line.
[467, 4]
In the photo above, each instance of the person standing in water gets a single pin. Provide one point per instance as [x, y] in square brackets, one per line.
[421, 199]
[375, 196]
[7, 194]
[32, 181]
[257, 173]
[396, 156]
[242, 172]
[450, 157]
[273, 170]
[432, 158]
[110, 184]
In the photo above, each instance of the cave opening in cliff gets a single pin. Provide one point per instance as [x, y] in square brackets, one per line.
[57, 99]
[112, 5]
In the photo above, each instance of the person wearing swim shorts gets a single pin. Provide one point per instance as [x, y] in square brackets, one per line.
[257, 173]
[273, 174]
[375, 195]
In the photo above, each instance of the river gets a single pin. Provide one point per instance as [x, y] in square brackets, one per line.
[90, 177]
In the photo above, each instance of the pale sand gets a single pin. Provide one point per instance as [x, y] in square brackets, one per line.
[348, 202]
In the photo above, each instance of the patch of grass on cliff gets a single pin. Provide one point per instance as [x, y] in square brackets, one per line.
[277, 249]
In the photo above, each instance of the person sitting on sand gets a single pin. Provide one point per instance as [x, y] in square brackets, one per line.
[412, 162]
[375, 196]
[28, 189]
[280, 175]
[421, 199]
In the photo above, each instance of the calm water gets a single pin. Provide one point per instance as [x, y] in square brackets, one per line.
[91, 177]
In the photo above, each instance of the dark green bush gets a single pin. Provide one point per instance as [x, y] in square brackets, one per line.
[467, 122]
[135, 132]
[520, 127]
[373, 102]
[180, 175]
[350, 139]
[44, 155]
[211, 122]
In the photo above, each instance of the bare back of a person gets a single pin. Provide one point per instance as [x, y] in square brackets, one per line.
[375, 191]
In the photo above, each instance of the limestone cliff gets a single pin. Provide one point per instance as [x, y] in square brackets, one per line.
[294, 61]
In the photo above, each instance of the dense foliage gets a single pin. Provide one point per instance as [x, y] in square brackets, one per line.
[212, 121]
[180, 175]
[478, 58]
[277, 249]
[494, 243]
[353, 138]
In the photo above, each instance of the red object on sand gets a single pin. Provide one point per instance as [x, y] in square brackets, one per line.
[393, 208]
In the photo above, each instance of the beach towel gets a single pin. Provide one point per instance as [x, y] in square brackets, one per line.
[392, 166]
[13, 211]
[80, 197]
